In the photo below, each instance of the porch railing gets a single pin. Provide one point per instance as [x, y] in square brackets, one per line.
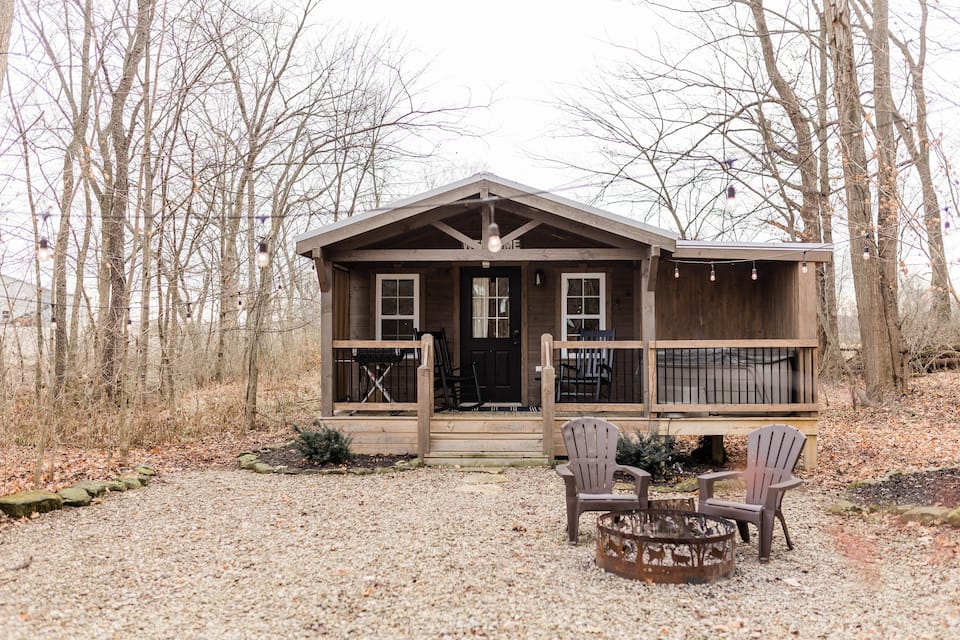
[620, 387]
[376, 374]
[732, 376]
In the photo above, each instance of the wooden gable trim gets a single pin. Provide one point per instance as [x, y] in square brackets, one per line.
[472, 255]
[520, 231]
[551, 220]
[456, 235]
[378, 219]
[320, 263]
[582, 217]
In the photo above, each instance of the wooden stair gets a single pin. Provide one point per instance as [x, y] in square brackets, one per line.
[486, 440]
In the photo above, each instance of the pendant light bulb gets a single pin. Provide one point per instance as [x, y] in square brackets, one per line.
[676, 271]
[493, 241]
[803, 267]
[44, 250]
[53, 323]
[753, 273]
[713, 274]
[263, 255]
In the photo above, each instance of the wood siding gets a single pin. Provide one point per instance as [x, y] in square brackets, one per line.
[733, 307]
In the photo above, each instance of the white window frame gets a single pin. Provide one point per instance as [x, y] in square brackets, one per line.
[564, 278]
[379, 298]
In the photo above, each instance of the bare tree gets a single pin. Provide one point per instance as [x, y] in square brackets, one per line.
[881, 343]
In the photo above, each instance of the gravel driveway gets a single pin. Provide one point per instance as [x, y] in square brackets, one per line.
[439, 553]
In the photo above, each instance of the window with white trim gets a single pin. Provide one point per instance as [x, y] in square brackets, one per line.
[398, 306]
[584, 303]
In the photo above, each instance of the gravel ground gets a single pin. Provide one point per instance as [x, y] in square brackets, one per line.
[441, 553]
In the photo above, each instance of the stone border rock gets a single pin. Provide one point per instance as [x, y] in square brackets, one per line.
[250, 461]
[27, 503]
[926, 515]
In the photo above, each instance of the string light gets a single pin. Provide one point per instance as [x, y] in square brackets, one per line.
[44, 251]
[713, 274]
[263, 255]
[731, 198]
[803, 265]
[676, 271]
[866, 246]
[753, 272]
[53, 317]
[493, 241]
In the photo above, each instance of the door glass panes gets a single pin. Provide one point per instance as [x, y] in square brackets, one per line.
[490, 307]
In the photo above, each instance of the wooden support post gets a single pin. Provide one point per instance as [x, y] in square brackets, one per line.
[327, 382]
[547, 394]
[424, 396]
[810, 453]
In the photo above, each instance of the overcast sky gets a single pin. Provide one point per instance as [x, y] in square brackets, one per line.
[519, 54]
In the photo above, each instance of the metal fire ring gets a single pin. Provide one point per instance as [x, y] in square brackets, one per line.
[660, 545]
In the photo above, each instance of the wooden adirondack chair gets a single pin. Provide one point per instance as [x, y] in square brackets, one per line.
[772, 452]
[587, 378]
[588, 476]
[460, 386]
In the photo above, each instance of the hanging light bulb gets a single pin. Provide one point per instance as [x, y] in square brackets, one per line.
[946, 226]
[676, 271]
[866, 246]
[731, 198]
[44, 250]
[713, 274]
[263, 256]
[53, 323]
[493, 238]
[753, 272]
[803, 266]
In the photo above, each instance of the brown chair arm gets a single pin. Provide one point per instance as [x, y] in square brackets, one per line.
[569, 481]
[642, 481]
[705, 481]
[775, 492]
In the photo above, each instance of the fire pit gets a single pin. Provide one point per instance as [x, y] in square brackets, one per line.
[665, 545]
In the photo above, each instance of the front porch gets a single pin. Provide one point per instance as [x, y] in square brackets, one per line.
[681, 388]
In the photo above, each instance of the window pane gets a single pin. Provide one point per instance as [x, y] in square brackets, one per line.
[504, 307]
[503, 286]
[574, 306]
[503, 328]
[389, 307]
[389, 329]
[574, 287]
[591, 286]
[591, 306]
[590, 323]
[405, 306]
[405, 288]
[492, 307]
[388, 288]
[405, 330]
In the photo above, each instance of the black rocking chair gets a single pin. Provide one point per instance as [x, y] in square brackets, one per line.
[460, 386]
[588, 376]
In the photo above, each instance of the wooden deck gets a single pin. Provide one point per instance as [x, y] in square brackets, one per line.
[472, 438]
[520, 437]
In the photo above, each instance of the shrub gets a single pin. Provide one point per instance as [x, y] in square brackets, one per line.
[324, 445]
[651, 452]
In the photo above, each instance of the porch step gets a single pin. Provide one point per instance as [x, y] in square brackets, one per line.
[487, 443]
[475, 459]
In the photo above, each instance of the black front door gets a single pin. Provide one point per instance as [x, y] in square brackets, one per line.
[490, 330]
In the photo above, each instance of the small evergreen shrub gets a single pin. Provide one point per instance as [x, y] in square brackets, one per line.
[324, 445]
[651, 452]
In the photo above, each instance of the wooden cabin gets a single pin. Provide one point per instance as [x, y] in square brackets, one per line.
[698, 338]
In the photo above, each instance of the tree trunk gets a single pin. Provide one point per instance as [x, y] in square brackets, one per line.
[883, 374]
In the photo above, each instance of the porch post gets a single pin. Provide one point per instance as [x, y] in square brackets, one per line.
[648, 323]
[424, 395]
[547, 394]
[327, 388]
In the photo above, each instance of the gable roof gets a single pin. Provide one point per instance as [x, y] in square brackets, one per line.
[497, 188]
